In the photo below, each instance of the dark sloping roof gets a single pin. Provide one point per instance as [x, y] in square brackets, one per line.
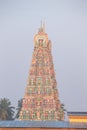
[77, 113]
[41, 124]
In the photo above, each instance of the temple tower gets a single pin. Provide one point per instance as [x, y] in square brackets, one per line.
[41, 99]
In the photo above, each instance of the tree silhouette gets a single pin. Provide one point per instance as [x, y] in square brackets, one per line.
[19, 108]
[6, 110]
[62, 112]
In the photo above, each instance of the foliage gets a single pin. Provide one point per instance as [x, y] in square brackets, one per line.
[6, 110]
[62, 112]
[19, 108]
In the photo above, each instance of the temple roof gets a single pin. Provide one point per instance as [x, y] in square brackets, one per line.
[77, 113]
[41, 124]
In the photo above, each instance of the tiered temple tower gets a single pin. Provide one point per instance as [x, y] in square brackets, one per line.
[41, 99]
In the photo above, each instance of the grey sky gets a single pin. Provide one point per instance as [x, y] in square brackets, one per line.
[66, 26]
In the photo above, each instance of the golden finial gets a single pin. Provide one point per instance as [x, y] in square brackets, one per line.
[42, 27]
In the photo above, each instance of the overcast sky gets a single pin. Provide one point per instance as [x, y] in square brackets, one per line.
[66, 26]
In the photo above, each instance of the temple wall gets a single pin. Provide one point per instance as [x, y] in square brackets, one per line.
[43, 128]
[78, 118]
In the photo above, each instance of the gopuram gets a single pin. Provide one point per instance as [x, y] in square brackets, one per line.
[41, 99]
[41, 108]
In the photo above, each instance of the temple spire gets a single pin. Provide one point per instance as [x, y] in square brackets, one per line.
[42, 27]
